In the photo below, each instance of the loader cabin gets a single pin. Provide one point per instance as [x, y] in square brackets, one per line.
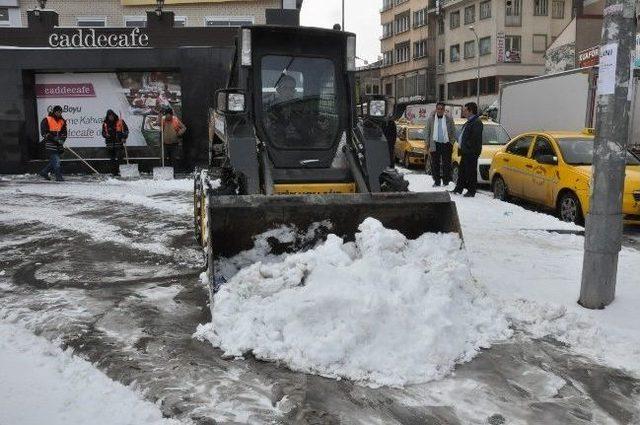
[297, 88]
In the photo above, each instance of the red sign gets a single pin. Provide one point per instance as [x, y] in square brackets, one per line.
[589, 57]
[65, 90]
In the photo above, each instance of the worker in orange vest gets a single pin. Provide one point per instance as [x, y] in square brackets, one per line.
[172, 130]
[54, 133]
[115, 133]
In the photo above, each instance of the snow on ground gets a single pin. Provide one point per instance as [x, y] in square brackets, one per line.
[41, 384]
[536, 274]
[380, 311]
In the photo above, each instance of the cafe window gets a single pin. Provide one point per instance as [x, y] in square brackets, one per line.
[135, 21]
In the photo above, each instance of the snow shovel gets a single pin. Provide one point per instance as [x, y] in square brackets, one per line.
[162, 173]
[128, 171]
[83, 161]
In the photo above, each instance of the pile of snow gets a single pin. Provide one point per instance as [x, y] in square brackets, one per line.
[41, 384]
[381, 311]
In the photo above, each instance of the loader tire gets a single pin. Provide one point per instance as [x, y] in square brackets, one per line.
[392, 181]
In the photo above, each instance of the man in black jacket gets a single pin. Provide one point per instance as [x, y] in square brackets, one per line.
[470, 150]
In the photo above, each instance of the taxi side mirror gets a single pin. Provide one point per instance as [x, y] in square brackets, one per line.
[547, 159]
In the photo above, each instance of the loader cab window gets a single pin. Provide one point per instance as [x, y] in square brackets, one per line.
[300, 107]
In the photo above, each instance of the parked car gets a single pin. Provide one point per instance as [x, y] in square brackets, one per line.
[494, 137]
[410, 145]
[553, 170]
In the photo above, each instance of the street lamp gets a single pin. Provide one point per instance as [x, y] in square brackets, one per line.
[473, 30]
[159, 5]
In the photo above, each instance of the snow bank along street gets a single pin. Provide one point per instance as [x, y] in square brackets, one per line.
[423, 332]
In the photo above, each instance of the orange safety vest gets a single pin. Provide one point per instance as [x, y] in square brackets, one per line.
[175, 122]
[119, 126]
[55, 125]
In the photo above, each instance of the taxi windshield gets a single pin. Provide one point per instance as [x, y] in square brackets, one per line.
[579, 151]
[492, 134]
[415, 134]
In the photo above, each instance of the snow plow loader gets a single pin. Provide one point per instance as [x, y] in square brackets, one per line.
[293, 152]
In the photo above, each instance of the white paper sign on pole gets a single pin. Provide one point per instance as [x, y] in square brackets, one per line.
[607, 71]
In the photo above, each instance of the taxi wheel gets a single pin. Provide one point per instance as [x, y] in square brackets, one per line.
[500, 190]
[569, 208]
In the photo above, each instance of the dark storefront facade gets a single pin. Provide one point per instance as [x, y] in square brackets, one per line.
[75, 67]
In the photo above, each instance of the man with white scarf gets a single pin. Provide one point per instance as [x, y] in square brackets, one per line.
[440, 133]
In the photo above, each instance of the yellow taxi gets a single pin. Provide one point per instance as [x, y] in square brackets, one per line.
[494, 137]
[410, 145]
[553, 170]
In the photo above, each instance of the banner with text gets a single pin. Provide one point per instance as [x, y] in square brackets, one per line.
[137, 97]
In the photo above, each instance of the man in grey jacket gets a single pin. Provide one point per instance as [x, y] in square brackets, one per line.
[440, 134]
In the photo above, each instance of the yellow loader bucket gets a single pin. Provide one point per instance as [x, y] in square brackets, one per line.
[236, 220]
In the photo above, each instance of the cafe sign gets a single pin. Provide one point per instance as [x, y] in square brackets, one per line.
[90, 38]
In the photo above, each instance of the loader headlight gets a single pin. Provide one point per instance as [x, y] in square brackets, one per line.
[378, 108]
[246, 47]
[230, 101]
[235, 102]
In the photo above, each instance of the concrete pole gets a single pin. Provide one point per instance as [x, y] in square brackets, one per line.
[603, 236]
[478, 67]
[343, 29]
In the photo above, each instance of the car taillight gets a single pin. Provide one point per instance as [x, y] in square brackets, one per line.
[636, 195]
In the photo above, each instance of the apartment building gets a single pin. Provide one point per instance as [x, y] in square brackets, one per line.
[579, 43]
[10, 13]
[512, 38]
[408, 50]
[430, 50]
[132, 13]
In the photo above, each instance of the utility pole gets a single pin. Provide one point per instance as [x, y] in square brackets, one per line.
[604, 226]
[343, 16]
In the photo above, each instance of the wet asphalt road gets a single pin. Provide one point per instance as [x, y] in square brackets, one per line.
[118, 283]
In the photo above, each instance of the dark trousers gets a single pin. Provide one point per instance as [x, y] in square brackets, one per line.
[53, 166]
[441, 163]
[171, 154]
[116, 153]
[468, 174]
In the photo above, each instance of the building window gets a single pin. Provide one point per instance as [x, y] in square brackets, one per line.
[539, 43]
[387, 30]
[512, 48]
[441, 58]
[440, 26]
[180, 21]
[485, 9]
[469, 88]
[441, 93]
[402, 52]
[388, 89]
[485, 46]
[92, 22]
[541, 7]
[469, 14]
[454, 53]
[227, 21]
[4, 15]
[513, 13]
[557, 9]
[135, 21]
[401, 1]
[400, 87]
[469, 49]
[420, 49]
[387, 58]
[454, 19]
[402, 22]
[387, 4]
[420, 18]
